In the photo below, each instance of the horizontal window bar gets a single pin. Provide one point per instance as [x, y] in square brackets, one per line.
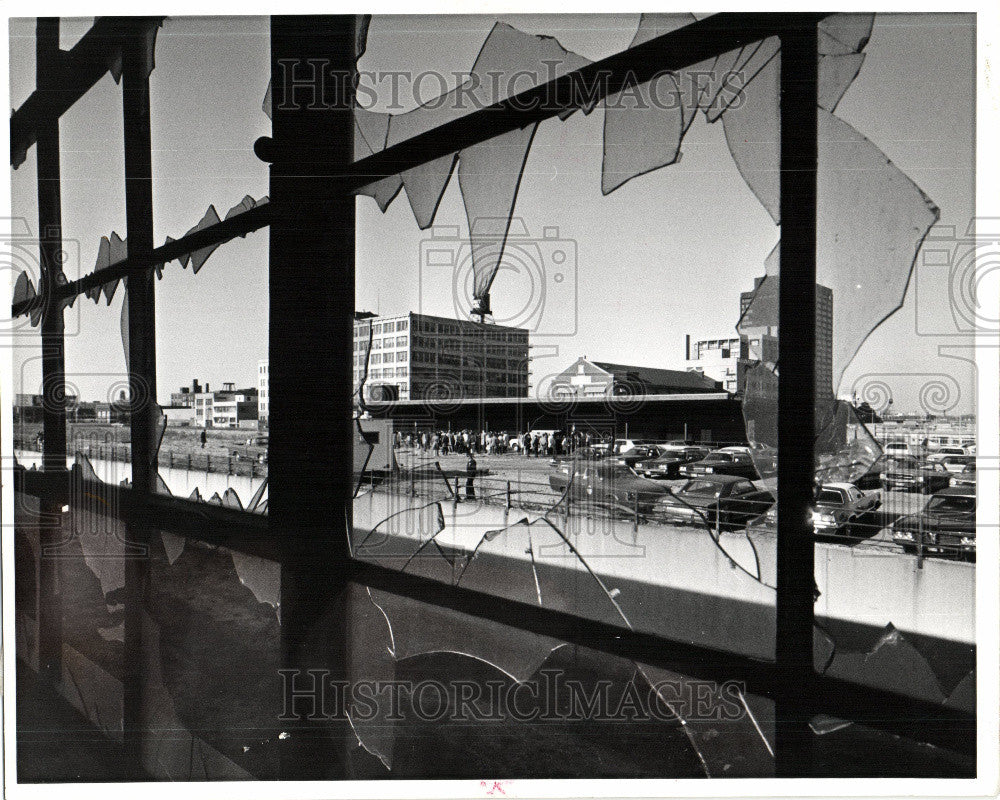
[229, 527]
[909, 717]
[673, 51]
[239, 225]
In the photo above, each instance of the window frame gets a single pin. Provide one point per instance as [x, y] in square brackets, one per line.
[317, 184]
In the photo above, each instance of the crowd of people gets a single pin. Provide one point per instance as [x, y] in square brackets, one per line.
[528, 444]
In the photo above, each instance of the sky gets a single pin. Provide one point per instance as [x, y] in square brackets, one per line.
[664, 256]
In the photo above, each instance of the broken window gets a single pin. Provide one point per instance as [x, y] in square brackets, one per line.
[211, 692]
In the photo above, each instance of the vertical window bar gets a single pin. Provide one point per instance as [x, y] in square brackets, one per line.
[796, 393]
[141, 298]
[311, 280]
[47, 57]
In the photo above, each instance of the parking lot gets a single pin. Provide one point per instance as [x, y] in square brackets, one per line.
[525, 482]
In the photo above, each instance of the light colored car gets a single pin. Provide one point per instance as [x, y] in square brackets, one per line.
[954, 463]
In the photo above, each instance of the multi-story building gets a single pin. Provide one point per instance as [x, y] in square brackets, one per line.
[185, 397]
[229, 408]
[422, 357]
[718, 358]
[760, 326]
[262, 392]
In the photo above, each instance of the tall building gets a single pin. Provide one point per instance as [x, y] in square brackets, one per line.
[422, 357]
[760, 325]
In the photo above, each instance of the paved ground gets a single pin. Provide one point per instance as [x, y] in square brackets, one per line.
[531, 474]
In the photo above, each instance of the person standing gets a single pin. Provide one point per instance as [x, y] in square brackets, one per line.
[204, 438]
[470, 477]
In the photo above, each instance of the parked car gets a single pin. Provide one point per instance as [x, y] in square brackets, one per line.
[967, 477]
[722, 463]
[736, 448]
[624, 445]
[642, 452]
[839, 506]
[728, 499]
[607, 484]
[945, 527]
[669, 462]
[872, 477]
[582, 454]
[952, 462]
[898, 448]
[908, 474]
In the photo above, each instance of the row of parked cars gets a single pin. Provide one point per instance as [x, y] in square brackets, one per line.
[720, 491]
[905, 473]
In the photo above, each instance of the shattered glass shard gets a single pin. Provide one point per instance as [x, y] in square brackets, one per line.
[738, 746]
[241, 207]
[505, 52]
[173, 545]
[491, 569]
[230, 499]
[24, 289]
[425, 184]
[893, 664]
[489, 175]
[721, 76]
[753, 61]
[259, 497]
[871, 219]
[261, 576]
[840, 34]
[199, 257]
[836, 74]
[753, 135]
[644, 125]
[371, 131]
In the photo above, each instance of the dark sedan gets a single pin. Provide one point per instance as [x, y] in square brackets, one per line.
[907, 474]
[946, 526]
[642, 452]
[726, 499]
[722, 463]
[839, 506]
[669, 462]
[609, 485]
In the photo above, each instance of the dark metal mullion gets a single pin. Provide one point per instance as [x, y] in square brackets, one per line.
[311, 286]
[47, 57]
[141, 298]
[796, 397]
